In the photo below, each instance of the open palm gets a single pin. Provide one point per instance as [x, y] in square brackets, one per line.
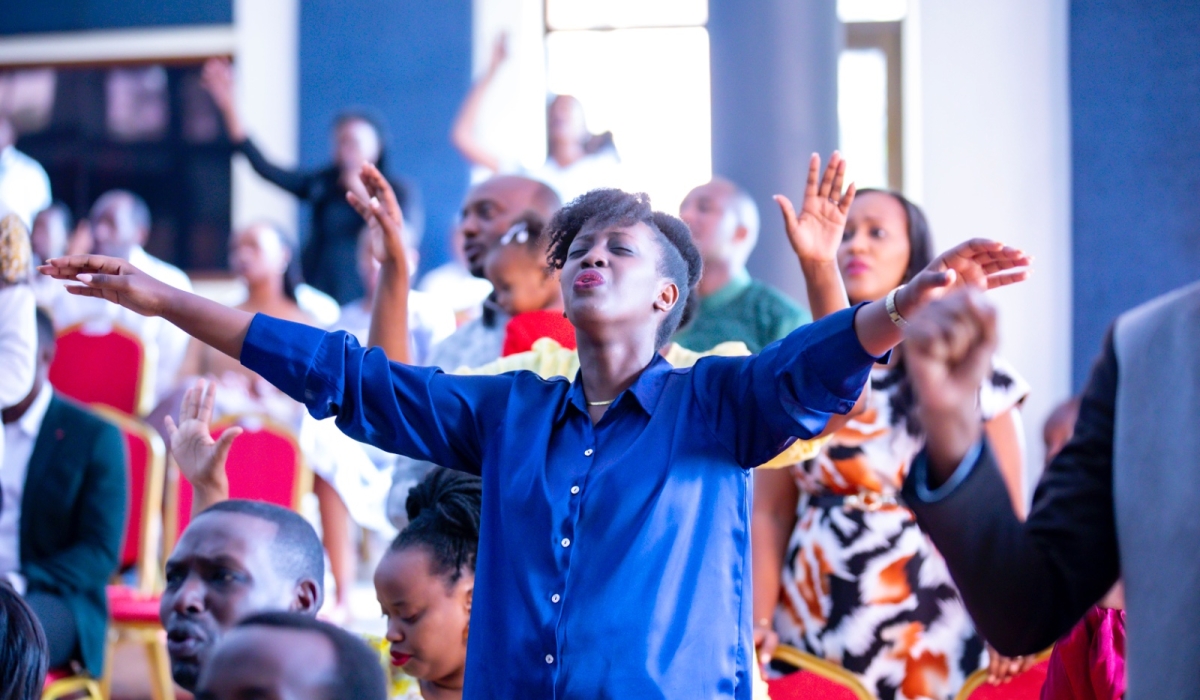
[816, 232]
[201, 459]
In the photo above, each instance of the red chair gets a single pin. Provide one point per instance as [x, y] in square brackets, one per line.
[107, 368]
[815, 679]
[62, 684]
[133, 610]
[1026, 686]
[265, 464]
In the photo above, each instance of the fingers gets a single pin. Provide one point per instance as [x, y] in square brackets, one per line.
[814, 172]
[190, 406]
[788, 211]
[359, 206]
[169, 424]
[826, 187]
[67, 267]
[378, 186]
[1005, 279]
[847, 199]
[209, 394]
[224, 443]
[839, 174]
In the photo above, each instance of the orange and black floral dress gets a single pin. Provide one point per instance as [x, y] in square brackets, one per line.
[862, 585]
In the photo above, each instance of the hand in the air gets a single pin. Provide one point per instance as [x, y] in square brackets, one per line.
[112, 279]
[382, 213]
[817, 232]
[499, 53]
[217, 79]
[979, 263]
[201, 459]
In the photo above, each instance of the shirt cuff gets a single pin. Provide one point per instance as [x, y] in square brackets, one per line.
[921, 475]
[282, 352]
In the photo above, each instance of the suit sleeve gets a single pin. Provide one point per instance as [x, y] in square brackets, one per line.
[101, 522]
[1026, 584]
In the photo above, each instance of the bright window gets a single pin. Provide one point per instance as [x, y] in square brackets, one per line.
[646, 81]
[863, 117]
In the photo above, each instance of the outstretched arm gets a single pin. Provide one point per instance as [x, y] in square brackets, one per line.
[119, 282]
[463, 134]
[389, 310]
[201, 459]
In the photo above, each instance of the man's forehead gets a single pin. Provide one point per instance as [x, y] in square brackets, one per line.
[717, 190]
[223, 534]
[507, 190]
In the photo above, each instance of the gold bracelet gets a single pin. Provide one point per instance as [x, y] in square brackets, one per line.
[890, 304]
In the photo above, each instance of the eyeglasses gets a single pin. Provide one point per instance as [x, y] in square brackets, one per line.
[519, 233]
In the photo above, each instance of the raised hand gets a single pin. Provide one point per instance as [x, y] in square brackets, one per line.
[380, 209]
[112, 279]
[817, 232]
[217, 79]
[948, 347]
[499, 53]
[200, 458]
[979, 263]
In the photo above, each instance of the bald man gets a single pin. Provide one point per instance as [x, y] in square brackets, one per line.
[724, 223]
[489, 210]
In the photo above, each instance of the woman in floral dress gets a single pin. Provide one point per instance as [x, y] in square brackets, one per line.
[841, 568]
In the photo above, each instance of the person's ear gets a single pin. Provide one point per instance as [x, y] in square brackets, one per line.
[667, 298]
[307, 597]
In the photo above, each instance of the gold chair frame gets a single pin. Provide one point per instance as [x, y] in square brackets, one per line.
[828, 670]
[980, 676]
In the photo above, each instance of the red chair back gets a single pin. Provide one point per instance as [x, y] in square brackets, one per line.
[1027, 686]
[106, 368]
[805, 685]
[265, 464]
[144, 456]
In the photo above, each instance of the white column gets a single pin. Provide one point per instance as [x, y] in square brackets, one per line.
[266, 55]
[991, 157]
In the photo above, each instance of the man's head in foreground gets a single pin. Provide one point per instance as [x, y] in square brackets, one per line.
[236, 559]
[493, 206]
[288, 656]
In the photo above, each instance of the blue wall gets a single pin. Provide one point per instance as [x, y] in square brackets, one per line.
[27, 16]
[1135, 98]
[409, 61]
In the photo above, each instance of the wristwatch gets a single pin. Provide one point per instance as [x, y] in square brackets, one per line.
[890, 304]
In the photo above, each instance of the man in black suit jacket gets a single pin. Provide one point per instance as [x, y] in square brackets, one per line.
[64, 473]
[1119, 500]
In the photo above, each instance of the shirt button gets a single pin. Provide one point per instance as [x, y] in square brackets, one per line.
[588, 452]
[574, 489]
[555, 598]
[549, 658]
[566, 542]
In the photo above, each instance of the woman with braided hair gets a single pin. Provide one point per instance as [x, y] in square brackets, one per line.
[425, 582]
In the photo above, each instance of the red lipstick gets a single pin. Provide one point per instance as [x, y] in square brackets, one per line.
[399, 659]
[588, 279]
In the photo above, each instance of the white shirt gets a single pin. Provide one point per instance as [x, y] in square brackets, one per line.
[19, 439]
[18, 345]
[430, 321]
[602, 169]
[165, 344]
[457, 287]
[24, 185]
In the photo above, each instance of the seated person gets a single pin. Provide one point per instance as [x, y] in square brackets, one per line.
[235, 559]
[48, 237]
[63, 516]
[425, 583]
[527, 289]
[290, 656]
[120, 225]
[18, 330]
[22, 648]
[430, 320]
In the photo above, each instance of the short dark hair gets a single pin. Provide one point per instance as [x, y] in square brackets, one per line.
[680, 260]
[545, 200]
[920, 238]
[24, 655]
[139, 211]
[45, 330]
[444, 511]
[358, 674]
[296, 550]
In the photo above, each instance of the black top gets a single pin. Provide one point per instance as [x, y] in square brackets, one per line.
[328, 253]
[1026, 584]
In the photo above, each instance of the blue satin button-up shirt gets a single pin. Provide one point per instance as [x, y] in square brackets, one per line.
[614, 558]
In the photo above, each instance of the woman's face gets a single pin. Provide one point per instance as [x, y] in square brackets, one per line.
[256, 253]
[611, 278]
[426, 619]
[875, 248]
[355, 142]
[565, 121]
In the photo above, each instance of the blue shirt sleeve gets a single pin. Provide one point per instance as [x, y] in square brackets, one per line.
[419, 412]
[758, 405]
[920, 475]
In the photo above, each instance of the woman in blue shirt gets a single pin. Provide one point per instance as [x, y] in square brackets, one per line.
[614, 543]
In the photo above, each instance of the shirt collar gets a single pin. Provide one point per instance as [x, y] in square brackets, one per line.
[138, 257]
[646, 389]
[31, 423]
[735, 286]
